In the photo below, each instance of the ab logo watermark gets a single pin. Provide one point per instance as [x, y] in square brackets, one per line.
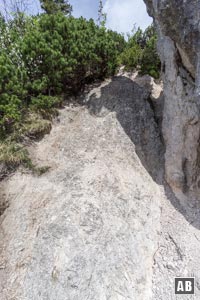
[184, 286]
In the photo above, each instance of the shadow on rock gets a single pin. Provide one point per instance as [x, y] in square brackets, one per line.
[136, 114]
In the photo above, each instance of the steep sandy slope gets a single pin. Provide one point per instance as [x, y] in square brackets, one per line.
[101, 224]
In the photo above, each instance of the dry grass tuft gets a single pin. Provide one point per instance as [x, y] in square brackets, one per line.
[14, 154]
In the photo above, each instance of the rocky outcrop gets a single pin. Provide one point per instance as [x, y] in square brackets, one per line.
[88, 228]
[178, 27]
[101, 223]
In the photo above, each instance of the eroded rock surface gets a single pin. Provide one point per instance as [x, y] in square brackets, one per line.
[87, 229]
[179, 46]
[102, 223]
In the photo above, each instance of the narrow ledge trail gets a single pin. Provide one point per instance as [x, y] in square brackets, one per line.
[101, 223]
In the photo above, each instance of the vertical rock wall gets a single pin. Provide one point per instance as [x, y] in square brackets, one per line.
[178, 24]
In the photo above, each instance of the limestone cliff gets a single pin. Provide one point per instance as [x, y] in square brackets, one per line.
[178, 27]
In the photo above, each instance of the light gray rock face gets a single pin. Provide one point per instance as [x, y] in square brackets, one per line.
[179, 46]
[88, 229]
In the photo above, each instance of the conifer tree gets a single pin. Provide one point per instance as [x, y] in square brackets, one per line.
[46, 56]
[55, 6]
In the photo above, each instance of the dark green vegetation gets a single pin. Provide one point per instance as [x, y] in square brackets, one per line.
[141, 52]
[46, 58]
[55, 6]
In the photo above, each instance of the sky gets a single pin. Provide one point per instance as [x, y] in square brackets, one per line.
[122, 15]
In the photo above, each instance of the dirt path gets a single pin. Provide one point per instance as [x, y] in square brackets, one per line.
[98, 225]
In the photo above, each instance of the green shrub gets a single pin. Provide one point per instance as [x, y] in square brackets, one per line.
[60, 53]
[44, 102]
[131, 57]
[141, 52]
[54, 6]
[46, 56]
[11, 94]
[150, 63]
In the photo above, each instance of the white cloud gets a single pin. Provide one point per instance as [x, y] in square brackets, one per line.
[123, 14]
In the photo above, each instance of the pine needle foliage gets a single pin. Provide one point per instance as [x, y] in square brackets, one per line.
[50, 55]
[141, 53]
